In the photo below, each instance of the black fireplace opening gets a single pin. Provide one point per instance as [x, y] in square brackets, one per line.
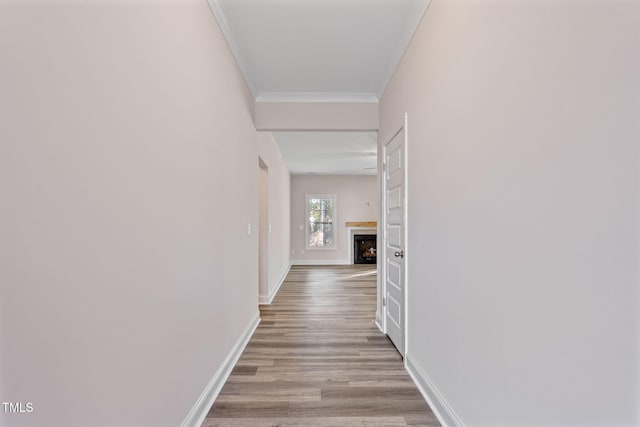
[364, 249]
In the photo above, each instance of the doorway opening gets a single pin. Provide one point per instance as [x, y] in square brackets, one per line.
[263, 229]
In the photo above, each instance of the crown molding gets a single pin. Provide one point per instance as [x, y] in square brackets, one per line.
[418, 10]
[218, 14]
[346, 97]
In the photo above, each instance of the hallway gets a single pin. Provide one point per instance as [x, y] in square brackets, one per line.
[317, 359]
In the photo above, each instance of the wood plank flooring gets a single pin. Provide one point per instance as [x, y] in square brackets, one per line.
[317, 359]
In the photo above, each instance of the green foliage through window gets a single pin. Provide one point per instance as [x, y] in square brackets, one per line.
[320, 221]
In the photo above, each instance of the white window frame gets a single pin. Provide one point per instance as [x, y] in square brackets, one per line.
[307, 211]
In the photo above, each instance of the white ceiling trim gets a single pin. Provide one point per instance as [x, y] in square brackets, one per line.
[418, 10]
[365, 98]
[233, 45]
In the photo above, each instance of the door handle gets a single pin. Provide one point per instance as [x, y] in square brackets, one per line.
[399, 254]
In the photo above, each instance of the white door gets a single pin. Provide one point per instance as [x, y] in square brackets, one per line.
[394, 195]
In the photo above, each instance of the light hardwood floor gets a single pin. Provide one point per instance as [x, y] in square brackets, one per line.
[317, 359]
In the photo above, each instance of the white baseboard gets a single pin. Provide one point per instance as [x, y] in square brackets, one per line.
[268, 299]
[446, 415]
[196, 416]
[319, 262]
[378, 321]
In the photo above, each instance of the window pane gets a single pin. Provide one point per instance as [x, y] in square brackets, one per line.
[320, 222]
[328, 234]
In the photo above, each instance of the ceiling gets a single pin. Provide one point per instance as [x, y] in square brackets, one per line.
[329, 153]
[318, 48]
[320, 51]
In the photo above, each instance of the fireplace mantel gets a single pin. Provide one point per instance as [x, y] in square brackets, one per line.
[367, 224]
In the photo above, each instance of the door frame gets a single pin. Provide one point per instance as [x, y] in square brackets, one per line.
[263, 230]
[381, 318]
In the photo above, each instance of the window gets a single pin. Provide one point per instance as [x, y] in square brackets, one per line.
[321, 213]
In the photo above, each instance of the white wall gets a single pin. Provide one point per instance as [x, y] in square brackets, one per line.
[523, 208]
[353, 193]
[279, 208]
[127, 179]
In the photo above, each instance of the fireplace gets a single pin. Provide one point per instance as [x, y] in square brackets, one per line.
[364, 248]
